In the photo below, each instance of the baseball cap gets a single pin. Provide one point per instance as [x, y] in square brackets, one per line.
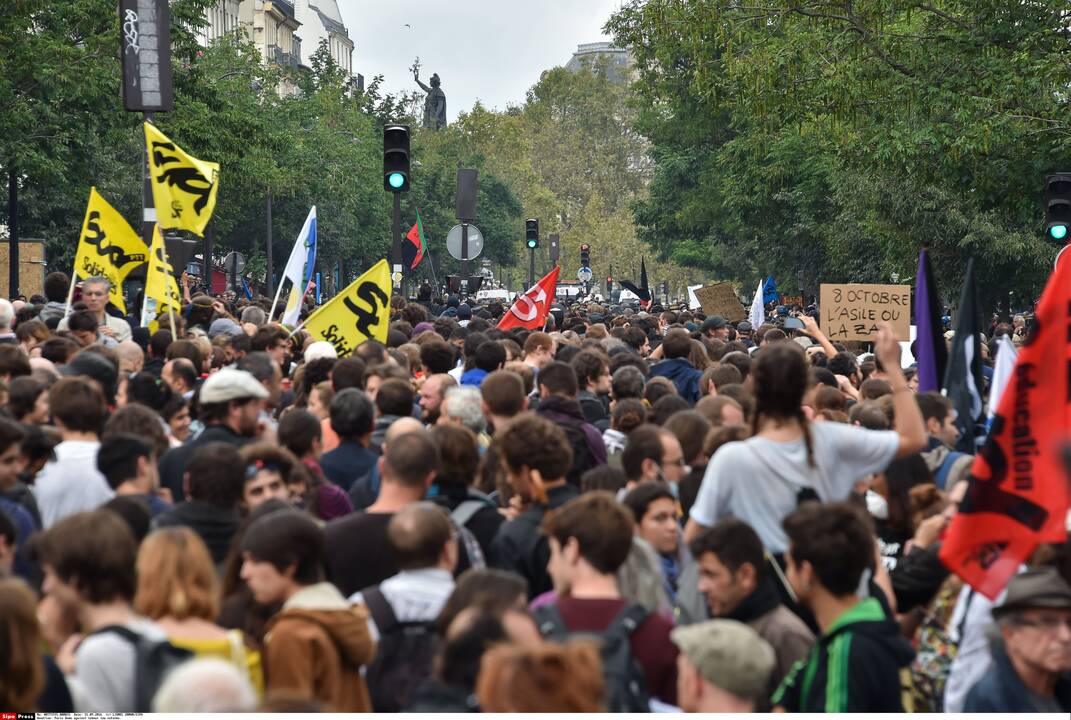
[464, 312]
[231, 384]
[714, 322]
[744, 326]
[729, 655]
[1036, 587]
[223, 326]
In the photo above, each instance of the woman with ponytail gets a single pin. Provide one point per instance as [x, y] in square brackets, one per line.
[790, 460]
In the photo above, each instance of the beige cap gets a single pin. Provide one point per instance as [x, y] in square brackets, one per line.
[729, 655]
[231, 384]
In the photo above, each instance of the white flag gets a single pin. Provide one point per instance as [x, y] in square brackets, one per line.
[299, 270]
[1003, 366]
[757, 316]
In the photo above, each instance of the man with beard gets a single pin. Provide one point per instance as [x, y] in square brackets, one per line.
[432, 393]
[230, 405]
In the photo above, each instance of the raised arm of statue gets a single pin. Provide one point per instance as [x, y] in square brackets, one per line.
[423, 87]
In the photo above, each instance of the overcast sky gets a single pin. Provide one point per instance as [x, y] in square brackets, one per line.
[487, 50]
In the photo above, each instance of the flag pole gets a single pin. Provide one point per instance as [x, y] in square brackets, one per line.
[70, 293]
[171, 317]
[275, 302]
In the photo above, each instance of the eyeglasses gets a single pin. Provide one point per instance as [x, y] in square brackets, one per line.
[1046, 623]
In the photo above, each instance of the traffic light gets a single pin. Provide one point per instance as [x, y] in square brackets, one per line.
[396, 158]
[531, 233]
[609, 284]
[585, 255]
[1057, 206]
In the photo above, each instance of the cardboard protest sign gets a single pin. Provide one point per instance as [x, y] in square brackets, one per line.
[721, 299]
[853, 311]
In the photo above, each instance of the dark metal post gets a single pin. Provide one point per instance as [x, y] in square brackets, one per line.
[206, 262]
[13, 232]
[396, 229]
[271, 267]
[531, 267]
[148, 205]
[464, 252]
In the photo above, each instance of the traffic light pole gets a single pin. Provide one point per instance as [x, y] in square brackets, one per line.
[396, 229]
[531, 267]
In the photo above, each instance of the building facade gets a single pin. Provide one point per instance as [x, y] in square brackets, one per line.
[321, 21]
[618, 60]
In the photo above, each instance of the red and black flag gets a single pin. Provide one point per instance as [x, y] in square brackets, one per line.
[1019, 493]
[414, 250]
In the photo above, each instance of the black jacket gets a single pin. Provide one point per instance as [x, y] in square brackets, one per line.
[592, 405]
[173, 463]
[215, 525]
[347, 463]
[854, 667]
[520, 547]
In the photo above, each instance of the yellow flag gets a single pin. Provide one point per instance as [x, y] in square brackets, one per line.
[108, 247]
[161, 290]
[183, 187]
[359, 312]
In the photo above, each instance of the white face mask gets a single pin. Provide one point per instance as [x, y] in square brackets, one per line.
[876, 505]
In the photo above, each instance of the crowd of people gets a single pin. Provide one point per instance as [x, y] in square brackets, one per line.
[633, 509]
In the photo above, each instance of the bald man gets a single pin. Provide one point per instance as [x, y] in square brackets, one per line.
[424, 546]
[365, 490]
[131, 358]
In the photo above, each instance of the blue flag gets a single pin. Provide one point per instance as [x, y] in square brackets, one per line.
[769, 291]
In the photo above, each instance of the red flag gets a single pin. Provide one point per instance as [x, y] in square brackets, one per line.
[1019, 491]
[530, 310]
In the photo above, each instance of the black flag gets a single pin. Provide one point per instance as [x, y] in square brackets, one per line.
[963, 379]
[642, 292]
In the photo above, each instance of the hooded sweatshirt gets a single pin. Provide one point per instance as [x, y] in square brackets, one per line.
[857, 666]
[683, 374]
[316, 645]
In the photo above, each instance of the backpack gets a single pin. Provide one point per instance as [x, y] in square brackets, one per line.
[626, 686]
[153, 661]
[404, 655]
[583, 459]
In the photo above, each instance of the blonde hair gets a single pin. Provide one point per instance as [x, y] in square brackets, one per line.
[176, 577]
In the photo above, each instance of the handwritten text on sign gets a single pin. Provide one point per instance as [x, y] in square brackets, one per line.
[852, 312]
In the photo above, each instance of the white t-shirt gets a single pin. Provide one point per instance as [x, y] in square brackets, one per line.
[71, 483]
[757, 480]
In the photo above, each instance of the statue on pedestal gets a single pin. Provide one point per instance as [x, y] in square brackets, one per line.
[434, 103]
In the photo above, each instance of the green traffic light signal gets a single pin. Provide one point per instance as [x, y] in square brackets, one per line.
[531, 243]
[1058, 232]
[396, 180]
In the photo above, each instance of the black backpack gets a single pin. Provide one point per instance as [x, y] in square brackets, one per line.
[583, 458]
[626, 686]
[153, 661]
[404, 655]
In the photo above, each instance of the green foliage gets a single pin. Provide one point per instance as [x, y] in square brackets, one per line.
[836, 138]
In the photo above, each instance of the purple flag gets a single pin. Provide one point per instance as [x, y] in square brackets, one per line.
[930, 350]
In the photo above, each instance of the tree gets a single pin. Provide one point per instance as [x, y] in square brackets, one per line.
[837, 138]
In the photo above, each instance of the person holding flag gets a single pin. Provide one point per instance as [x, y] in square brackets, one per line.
[108, 250]
[300, 270]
